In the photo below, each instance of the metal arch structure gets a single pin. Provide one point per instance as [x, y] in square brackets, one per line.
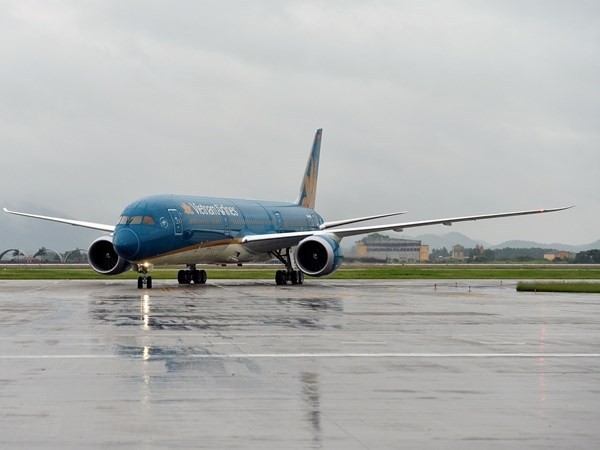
[77, 250]
[19, 252]
[60, 258]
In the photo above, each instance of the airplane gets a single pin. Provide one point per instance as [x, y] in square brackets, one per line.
[190, 230]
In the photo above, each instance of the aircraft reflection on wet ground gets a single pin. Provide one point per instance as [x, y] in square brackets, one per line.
[183, 313]
[333, 364]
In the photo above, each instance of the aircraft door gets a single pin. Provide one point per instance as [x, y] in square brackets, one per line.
[278, 222]
[226, 224]
[177, 224]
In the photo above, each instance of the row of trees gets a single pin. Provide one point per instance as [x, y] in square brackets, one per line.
[509, 254]
[588, 257]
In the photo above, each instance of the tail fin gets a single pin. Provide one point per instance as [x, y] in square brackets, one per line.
[308, 187]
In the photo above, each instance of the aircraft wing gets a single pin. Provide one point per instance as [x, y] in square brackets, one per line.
[338, 223]
[276, 241]
[76, 223]
[345, 232]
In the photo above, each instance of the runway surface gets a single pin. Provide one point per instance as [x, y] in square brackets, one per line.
[330, 364]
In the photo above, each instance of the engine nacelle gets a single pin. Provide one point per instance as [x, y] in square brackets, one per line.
[318, 256]
[104, 259]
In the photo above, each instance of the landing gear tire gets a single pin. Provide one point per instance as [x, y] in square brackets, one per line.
[144, 278]
[184, 277]
[191, 275]
[289, 274]
[199, 276]
[280, 278]
[295, 277]
[144, 281]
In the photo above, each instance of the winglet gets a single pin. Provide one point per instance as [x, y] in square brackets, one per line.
[308, 187]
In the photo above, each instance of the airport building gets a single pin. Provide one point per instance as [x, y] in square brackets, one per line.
[559, 256]
[386, 249]
[458, 253]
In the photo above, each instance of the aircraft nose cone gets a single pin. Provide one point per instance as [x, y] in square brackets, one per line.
[126, 243]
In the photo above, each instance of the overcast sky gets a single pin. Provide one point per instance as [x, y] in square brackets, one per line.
[442, 108]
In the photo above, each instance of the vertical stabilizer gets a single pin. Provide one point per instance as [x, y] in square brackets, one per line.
[308, 187]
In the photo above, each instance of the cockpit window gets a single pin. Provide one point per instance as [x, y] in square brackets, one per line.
[137, 220]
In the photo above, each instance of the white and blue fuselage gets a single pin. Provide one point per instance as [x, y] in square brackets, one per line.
[176, 229]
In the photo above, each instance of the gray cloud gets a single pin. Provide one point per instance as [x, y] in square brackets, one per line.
[442, 108]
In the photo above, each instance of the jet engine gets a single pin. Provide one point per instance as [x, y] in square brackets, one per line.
[104, 259]
[318, 256]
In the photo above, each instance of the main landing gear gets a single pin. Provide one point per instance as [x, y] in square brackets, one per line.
[191, 275]
[289, 274]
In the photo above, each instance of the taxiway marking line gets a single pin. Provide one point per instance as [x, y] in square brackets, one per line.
[315, 355]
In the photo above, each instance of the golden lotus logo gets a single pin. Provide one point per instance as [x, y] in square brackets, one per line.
[187, 209]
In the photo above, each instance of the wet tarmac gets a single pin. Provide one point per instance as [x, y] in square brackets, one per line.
[330, 364]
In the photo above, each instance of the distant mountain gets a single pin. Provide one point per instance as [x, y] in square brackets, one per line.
[449, 240]
[558, 246]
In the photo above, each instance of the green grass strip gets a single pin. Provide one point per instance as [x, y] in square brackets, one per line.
[584, 288]
[457, 273]
[432, 272]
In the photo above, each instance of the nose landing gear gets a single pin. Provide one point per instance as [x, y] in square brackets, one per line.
[144, 280]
